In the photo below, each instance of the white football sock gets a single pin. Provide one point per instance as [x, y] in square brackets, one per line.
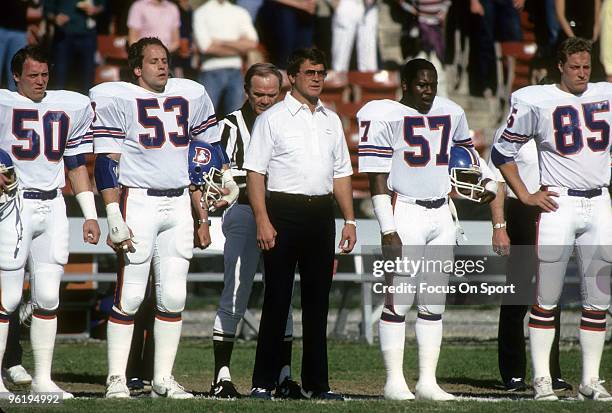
[540, 343]
[429, 340]
[42, 337]
[167, 335]
[3, 336]
[119, 341]
[592, 344]
[392, 336]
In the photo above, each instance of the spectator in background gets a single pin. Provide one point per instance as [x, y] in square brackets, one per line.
[252, 6]
[182, 62]
[13, 34]
[155, 18]
[355, 18]
[494, 20]
[74, 40]
[546, 30]
[224, 34]
[288, 25]
[606, 38]
[582, 18]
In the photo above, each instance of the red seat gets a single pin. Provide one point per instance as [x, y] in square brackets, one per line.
[375, 85]
[112, 48]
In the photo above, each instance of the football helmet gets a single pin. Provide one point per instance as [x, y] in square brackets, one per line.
[205, 173]
[8, 170]
[465, 173]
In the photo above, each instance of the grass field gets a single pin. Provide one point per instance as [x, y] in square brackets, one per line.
[356, 370]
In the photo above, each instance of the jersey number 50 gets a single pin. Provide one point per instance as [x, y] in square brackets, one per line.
[54, 144]
[566, 121]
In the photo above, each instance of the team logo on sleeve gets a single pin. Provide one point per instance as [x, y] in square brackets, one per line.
[202, 156]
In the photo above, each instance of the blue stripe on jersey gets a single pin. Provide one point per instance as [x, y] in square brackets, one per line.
[106, 128]
[387, 148]
[210, 121]
[514, 137]
[108, 135]
[377, 155]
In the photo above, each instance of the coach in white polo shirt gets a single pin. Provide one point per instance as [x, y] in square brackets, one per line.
[300, 146]
[519, 230]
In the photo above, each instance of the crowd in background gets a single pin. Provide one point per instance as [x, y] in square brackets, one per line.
[212, 40]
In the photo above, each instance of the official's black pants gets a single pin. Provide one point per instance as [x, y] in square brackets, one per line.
[522, 265]
[306, 237]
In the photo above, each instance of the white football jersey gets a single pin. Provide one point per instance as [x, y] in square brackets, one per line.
[38, 135]
[572, 133]
[152, 130]
[412, 147]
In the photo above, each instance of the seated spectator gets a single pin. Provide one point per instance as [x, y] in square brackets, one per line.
[74, 40]
[155, 18]
[224, 35]
[355, 18]
[606, 38]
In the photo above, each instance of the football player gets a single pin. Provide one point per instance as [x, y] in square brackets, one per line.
[570, 123]
[405, 149]
[143, 130]
[43, 131]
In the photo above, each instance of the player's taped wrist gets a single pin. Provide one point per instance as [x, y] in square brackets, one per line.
[117, 228]
[384, 213]
[231, 185]
[88, 204]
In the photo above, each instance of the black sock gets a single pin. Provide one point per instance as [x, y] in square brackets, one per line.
[223, 355]
[286, 352]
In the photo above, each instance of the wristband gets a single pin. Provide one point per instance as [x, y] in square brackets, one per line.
[203, 221]
[351, 222]
[384, 213]
[87, 204]
[499, 225]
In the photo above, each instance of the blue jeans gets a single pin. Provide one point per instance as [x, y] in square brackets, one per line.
[252, 6]
[10, 42]
[225, 88]
[72, 50]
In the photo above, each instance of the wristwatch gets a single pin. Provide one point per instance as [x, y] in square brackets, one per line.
[201, 221]
[499, 225]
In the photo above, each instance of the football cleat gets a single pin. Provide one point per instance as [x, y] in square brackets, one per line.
[116, 388]
[397, 391]
[289, 389]
[261, 394]
[542, 389]
[49, 386]
[431, 391]
[558, 384]
[224, 389]
[169, 388]
[135, 384]
[516, 384]
[324, 395]
[594, 391]
[17, 375]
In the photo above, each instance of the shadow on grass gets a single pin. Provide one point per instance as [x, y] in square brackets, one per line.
[80, 378]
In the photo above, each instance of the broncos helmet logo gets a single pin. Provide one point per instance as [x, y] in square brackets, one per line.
[9, 191]
[205, 172]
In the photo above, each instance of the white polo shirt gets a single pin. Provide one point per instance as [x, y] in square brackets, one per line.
[300, 151]
[527, 163]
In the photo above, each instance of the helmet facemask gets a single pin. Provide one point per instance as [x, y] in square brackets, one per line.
[467, 182]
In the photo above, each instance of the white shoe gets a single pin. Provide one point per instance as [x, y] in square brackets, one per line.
[594, 391]
[542, 389]
[169, 388]
[431, 391]
[17, 375]
[397, 390]
[4, 393]
[116, 388]
[49, 386]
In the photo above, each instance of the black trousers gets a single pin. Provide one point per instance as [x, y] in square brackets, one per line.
[305, 237]
[13, 351]
[522, 265]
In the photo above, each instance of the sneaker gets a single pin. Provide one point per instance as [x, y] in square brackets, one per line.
[49, 387]
[516, 384]
[224, 389]
[17, 375]
[169, 388]
[116, 388]
[261, 394]
[323, 395]
[558, 384]
[432, 391]
[594, 391]
[135, 384]
[289, 389]
[542, 389]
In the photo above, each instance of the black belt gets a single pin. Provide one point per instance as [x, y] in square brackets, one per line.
[282, 196]
[166, 192]
[587, 193]
[42, 195]
[433, 204]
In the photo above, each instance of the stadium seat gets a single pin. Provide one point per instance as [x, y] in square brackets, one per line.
[107, 73]
[335, 91]
[112, 48]
[374, 85]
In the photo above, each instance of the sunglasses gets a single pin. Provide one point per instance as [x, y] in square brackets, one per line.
[312, 73]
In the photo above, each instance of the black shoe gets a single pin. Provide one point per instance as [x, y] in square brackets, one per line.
[289, 389]
[516, 384]
[261, 394]
[324, 395]
[558, 384]
[224, 389]
[135, 384]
